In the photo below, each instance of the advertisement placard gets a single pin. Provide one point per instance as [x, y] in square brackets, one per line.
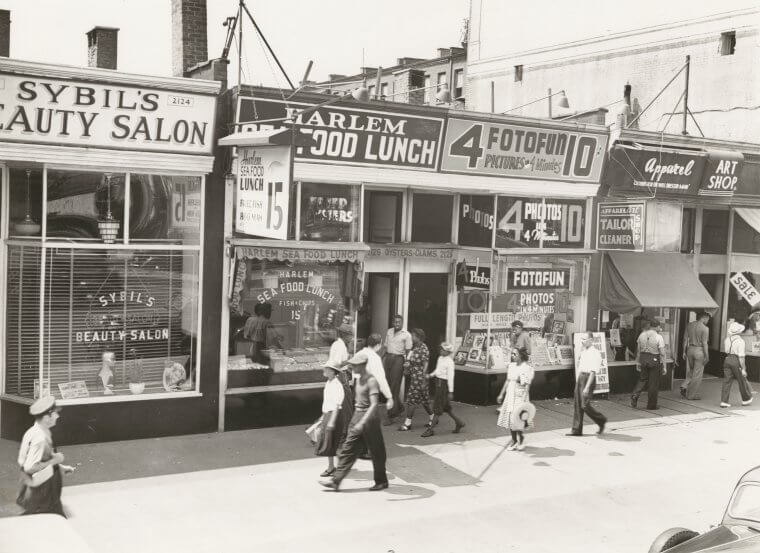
[721, 174]
[540, 223]
[620, 226]
[502, 150]
[263, 191]
[603, 376]
[745, 288]
[537, 279]
[646, 171]
[346, 135]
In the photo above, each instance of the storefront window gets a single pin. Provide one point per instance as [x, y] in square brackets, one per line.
[382, 216]
[546, 293]
[476, 221]
[663, 227]
[715, 231]
[330, 212]
[431, 218]
[85, 206]
[266, 219]
[746, 231]
[25, 203]
[165, 209]
[284, 317]
[540, 223]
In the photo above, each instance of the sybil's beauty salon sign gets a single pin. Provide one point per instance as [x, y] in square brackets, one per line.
[63, 112]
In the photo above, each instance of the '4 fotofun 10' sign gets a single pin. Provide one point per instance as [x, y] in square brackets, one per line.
[502, 150]
[263, 191]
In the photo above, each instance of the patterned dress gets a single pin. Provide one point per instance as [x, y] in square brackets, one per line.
[519, 378]
[417, 391]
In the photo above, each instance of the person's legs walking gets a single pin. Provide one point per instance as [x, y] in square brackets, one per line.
[376, 445]
[653, 390]
[459, 423]
[580, 383]
[697, 362]
[744, 388]
[395, 374]
[728, 381]
[689, 370]
[353, 443]
[590, 410]
[641, 385]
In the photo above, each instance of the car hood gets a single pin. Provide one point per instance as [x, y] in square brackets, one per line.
[721, 538]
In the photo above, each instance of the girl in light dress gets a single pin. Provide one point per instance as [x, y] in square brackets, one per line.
[514, 393]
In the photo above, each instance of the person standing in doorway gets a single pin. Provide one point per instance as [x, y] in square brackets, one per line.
[696, 344]
[520, 337]
[415, 371]
[41, 465]
[589, 365]
[650, 362]
[443, 384]
[364, 428]
[735, 367]
[397, 343]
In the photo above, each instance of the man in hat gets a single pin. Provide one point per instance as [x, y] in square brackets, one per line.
[40, 463]
[650, 361]
[339, 348]
[696, 343]
[397, 344]
[588, 366]
[520, 337]
[364, 428]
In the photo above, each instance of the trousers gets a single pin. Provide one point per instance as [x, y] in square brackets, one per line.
[394, 373]
[354, 444]
[649, 379]
[583, 404]
[733, 372]
[695, 358]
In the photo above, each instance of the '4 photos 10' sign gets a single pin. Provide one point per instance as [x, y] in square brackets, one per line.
[497, 149]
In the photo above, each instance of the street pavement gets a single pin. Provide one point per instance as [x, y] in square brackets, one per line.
[257, 490]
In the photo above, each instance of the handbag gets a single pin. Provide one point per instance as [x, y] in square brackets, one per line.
[314, 432]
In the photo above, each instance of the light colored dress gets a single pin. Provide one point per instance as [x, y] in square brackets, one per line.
[519, 378]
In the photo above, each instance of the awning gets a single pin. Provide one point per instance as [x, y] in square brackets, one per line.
[272, 137]
[632, 280]
[302, 251]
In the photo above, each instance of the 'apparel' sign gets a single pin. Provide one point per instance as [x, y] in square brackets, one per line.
[502, 150]
[42, 110]
[345, 135]
[537, 279]
[621, 227]
[263, 191]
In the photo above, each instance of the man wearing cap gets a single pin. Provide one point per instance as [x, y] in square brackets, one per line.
[397, 344]
[364, 428]
[520, 337]
[339, 348]
[588, 366]
[697, 355]
[39, 462]
[650, 360]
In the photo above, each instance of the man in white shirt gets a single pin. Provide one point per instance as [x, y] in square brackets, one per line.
[375, 368]
[339, 348]
[650, 362]
[397, 343]
[589, 364]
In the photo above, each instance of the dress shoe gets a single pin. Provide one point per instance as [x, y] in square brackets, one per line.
[748, 402]
[332, 484]
[574, 434]
[379, 487]
[724, 404]
[459, 426]
[428, 432]
[601, 428]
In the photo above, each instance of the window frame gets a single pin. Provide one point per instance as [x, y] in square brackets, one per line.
[46, 244]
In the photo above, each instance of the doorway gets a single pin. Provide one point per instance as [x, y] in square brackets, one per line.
[380, 305]
[428, 298]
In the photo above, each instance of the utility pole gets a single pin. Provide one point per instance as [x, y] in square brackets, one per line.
[240, 42]
[686, 97]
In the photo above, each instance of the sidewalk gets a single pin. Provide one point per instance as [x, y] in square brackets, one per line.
[115, 461]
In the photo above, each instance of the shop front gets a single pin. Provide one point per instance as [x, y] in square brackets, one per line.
[398, 209]
[676, 224]
[103, 227]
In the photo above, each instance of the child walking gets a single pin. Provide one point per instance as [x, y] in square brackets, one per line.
[443, 384]
[334, 422]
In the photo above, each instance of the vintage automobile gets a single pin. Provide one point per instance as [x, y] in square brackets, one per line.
[738, 531]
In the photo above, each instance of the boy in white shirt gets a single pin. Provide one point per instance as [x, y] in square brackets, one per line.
[443, 380]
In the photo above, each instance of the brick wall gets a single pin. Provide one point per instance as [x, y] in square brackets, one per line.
[189, 35]
[406, 80]
[5, 33]
[102, 47]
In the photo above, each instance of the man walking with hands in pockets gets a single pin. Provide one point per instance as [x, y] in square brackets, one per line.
[589, 365]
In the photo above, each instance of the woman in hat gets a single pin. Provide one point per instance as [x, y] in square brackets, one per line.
[443, 384]
[41, 465]
[415, 371]
[734, 366]
[514, 394]
[334, 419]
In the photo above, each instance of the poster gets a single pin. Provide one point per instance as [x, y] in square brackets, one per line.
[615, 340]
[476, 221]
[540, 223]
[186, 203]
[263, 191]
[620, 226]
[74, 390]
[600, 343]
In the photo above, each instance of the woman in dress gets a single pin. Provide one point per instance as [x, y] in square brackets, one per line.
[415, 371]
[514, 393]
[334, 420]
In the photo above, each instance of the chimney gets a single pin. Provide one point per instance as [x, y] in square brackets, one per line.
[189, 36]
[102, 47]
[5, 33]
[444, 52]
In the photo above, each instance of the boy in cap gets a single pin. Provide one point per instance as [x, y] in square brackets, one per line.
[443, 384]
[40, 463]
[364, 428]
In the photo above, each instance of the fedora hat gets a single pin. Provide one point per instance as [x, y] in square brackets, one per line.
[735, 328]
[522, 416]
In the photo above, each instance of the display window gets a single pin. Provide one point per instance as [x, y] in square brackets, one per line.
[284, 316]
[547, 294]
[622, 331]
[382, 216]
[476, 221]
[330, 212]
[97, 308]
[540, 223]
[432, 218]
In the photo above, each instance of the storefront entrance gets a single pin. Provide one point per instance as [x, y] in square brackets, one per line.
[427, 308]
[380, 304]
